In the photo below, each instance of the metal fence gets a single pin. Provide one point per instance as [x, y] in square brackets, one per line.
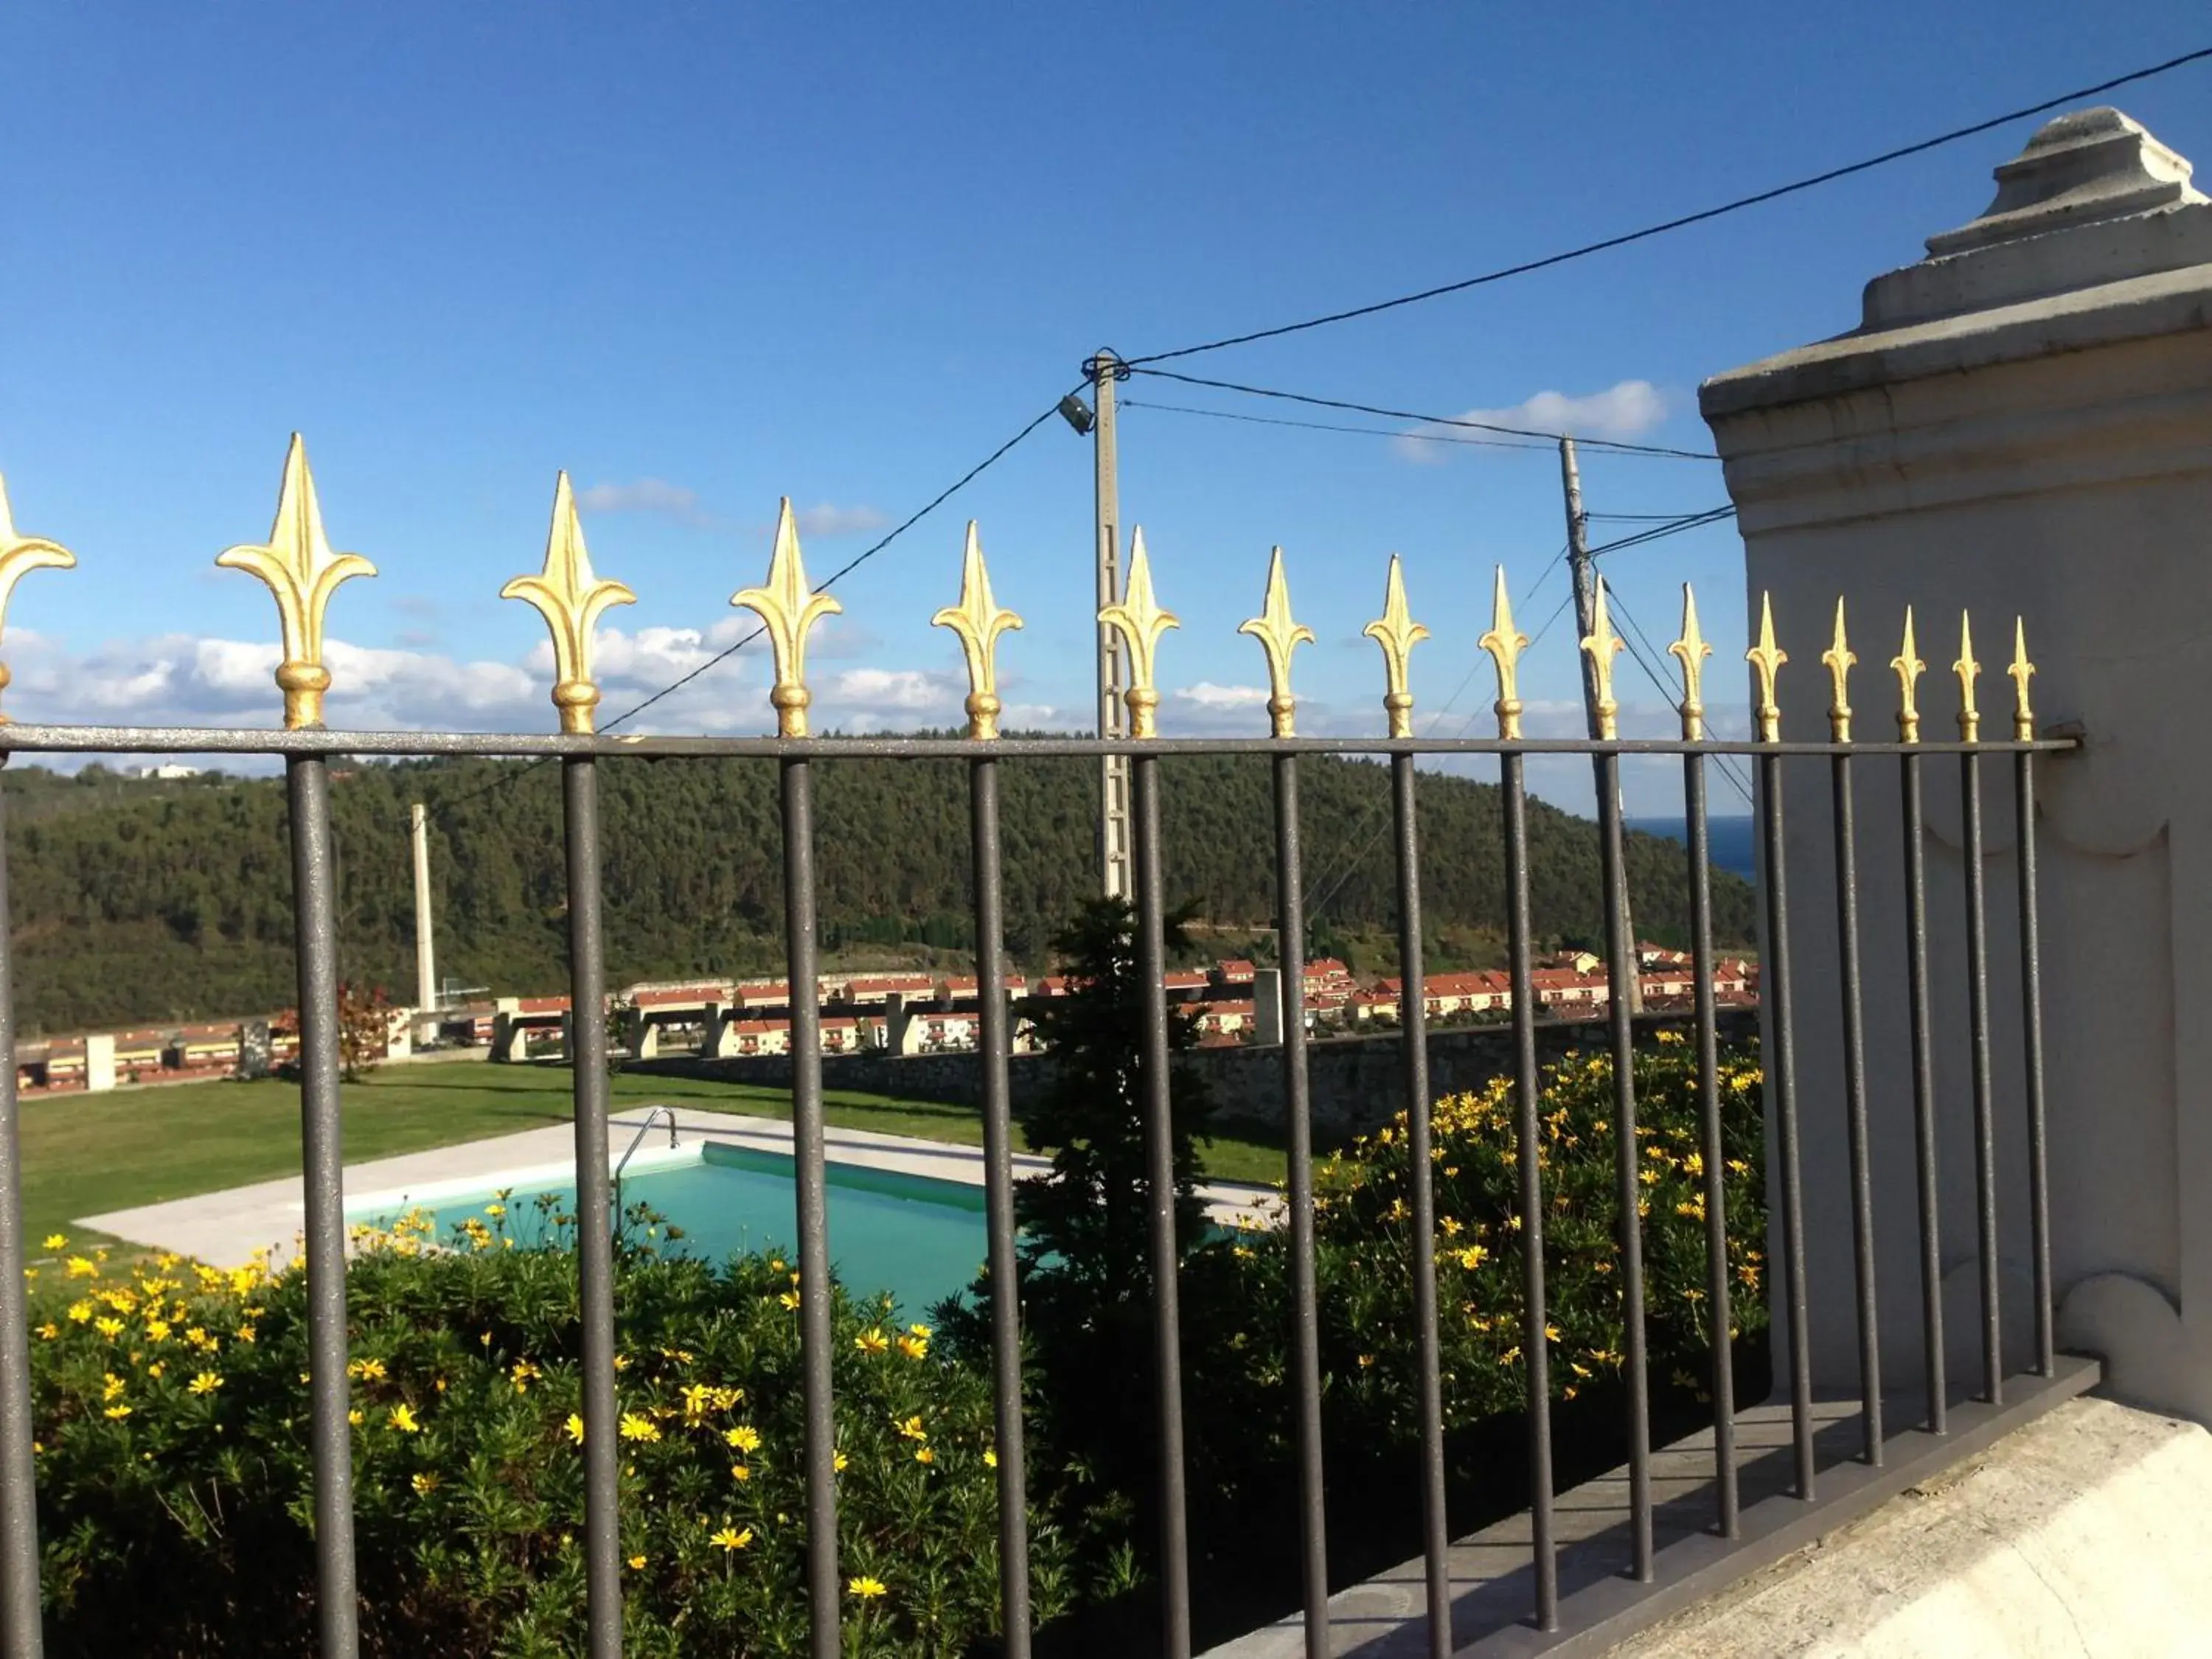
[301, 571]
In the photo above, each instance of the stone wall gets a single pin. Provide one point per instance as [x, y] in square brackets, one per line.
[1357, 1083]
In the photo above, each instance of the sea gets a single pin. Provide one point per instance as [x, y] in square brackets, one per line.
[1732, 839]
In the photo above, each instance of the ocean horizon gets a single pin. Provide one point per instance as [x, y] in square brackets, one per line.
[1734, 840]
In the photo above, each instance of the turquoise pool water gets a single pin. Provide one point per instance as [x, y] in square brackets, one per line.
[920, 1239]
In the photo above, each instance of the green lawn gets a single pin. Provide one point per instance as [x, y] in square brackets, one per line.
[89, 1154]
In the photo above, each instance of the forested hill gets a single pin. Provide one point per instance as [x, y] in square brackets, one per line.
[145, 901]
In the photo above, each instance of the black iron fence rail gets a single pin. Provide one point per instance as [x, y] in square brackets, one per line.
[306, 753]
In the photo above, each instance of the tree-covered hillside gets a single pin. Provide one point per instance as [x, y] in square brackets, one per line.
[150, 901]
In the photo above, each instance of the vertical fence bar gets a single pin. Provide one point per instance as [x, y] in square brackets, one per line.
[1159, 1160]
[595, 1220]
[1855, 1106]
[1782, 1077]
[1305, 1291]
[1527, 1133]
[1628, 1158]
[801, 951]
[21, 1635]
[2031, 997]
[1977, 1015]
[999, 1204]
[330, 1436]
[1413, 1017]
[1923, 1100]
[1718, 1292]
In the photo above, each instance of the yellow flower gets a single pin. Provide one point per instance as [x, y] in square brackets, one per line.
[368, 1370]
[402, 1418]
[153, 1370]
[111, 1327]
[57, 1242]
[838, 1461]
[80, 1268]
[872, 1341]
[637, 1564]
[575, 1426]
[912, 1429]
[425, 1484]
[119, 1411]
[205, 1383]
[865, 1587]
[697, 1398]
[731, 1538]
[1473, 1257]
[245, 1332]
[789, 1298]
[913, 1347]
[741, 1471]
[990, 1457]
[157, 1330]
[925, 1455]
[50, 1330]
[637, 1427]
[111, 1385]
[521, 1373]
[494, 1211]
[81, 1311]
[744, 1438]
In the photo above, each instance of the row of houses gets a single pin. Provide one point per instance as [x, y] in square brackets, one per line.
[1234, 1000]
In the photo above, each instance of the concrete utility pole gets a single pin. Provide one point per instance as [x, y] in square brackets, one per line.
[1585, 578]
[1112, 713]
[426, 975]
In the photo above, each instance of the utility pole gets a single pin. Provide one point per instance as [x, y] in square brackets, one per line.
[426, 977]
[1586, 580]
[1113, 711]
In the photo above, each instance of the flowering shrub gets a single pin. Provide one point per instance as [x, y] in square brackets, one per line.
[175, 1483]
[1363, 1203]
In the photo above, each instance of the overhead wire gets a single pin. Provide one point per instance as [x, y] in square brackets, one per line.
[1725, 762]
[1607, 445]
[1325, 426]
[1683, 221]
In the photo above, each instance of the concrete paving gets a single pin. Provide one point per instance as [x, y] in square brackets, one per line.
[225, 1229]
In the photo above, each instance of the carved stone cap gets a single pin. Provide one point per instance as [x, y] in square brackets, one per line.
[2093, 199]
[2094, 164]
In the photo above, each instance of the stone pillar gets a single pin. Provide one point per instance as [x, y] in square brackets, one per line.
[641, 1036]
[1267, 1007]
[719, 1038]
[2022, 424]
[99, 1063]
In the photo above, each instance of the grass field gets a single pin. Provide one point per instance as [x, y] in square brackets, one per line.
[89, 1154]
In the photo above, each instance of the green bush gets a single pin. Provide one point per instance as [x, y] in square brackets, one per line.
[175, 1485]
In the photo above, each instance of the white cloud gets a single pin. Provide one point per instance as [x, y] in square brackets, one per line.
[1207, 695]
[825, 518]
[1623, 411]
[644, 496]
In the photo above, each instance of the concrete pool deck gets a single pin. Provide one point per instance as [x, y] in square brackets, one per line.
[225, 1229]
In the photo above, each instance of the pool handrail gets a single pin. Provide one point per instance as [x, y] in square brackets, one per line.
[652, 1115]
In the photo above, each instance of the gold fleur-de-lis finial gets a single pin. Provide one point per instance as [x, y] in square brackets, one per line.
[570, 598]
[19, 553]
[1909, 669]
[1968, 671]
[1397, 633]
[1505, 643]
[1140, 622]
[788, 609]
[1603, 645]
[300, 569]
[2023, 717]
[978, 620]
[1690, 651]
[1839, 658]
[1278, 635]
[1766, 658]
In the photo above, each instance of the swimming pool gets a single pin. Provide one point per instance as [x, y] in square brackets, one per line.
[918, 1238]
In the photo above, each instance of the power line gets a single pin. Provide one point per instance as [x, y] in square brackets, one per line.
[1610, 445]
[1687, 219]
[1324, 426]
[831, 580]
[1651, 672]
[1672, 527]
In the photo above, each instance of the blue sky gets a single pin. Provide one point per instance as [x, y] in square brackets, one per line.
[706, 256]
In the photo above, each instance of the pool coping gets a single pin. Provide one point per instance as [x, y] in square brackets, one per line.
[225, 1229]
